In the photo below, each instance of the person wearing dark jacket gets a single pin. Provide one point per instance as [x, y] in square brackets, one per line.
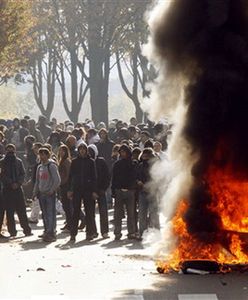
[64, 160]
[123, 188]
[103, 181]
[2, 208]
[12, 177]
[148, 206]
[35, 211]
[82, 185]
[44, 128]
[105, 146]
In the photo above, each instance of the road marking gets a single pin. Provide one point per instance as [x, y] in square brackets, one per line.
[136, 295]
[197, 297]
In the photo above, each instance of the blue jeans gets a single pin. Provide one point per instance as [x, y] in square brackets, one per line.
[148, 212]
[48, 208]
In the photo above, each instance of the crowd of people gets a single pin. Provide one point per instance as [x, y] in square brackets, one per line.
[84, 167]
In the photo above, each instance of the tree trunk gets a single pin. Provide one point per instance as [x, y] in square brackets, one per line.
[39, 83]
[74, 88]
[99, 83]
[99, 61]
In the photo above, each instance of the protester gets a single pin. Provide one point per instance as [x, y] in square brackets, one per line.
[35, 210]
[87, 176]
[44, 128]
[34, 131]
[103, 181]
[46, 184]
[105, 146]
[12, 178]
[123, 187]
[83, 185]
[144, 136]
[148, 207]
[64, 164]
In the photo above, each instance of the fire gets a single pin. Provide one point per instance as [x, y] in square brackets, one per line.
[229, 200]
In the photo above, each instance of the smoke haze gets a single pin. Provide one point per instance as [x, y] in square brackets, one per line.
[201, 51]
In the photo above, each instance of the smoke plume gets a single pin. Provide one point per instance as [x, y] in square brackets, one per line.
[201, 51]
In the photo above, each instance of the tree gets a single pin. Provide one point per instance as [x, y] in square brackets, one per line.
[16, 36]
[72, 59]
[129, 54]
[108, 27]
[43, 63]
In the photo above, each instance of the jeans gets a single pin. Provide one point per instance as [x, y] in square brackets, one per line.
[124, 198]
[148, 212]
[103, 212]
[48, 208]
[89, 206]
[67, 204]
[109, 197]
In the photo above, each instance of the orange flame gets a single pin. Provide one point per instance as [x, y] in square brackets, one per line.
[229, 194]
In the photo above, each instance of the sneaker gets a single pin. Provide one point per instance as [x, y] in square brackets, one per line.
[49, 238]
[105, 235]
[33, 221]
[139, 237]
[82, 225]
[131, 236]
[28, 233]
[73, 239]
[89, 237]
[118, 237]
[95, 235]
[3, 236]
[65, 228]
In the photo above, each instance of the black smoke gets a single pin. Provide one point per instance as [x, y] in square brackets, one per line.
[207, 42]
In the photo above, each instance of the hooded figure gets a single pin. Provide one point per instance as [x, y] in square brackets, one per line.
[82, 185]
[103, 181]
[123, 189]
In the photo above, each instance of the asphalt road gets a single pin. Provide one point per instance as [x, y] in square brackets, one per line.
[101, 269]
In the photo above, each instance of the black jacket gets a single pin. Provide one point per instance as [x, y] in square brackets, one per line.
[124, 175]
[12, 171]
[105, 151]
[83, 175]
[143, 171]
[103, 174]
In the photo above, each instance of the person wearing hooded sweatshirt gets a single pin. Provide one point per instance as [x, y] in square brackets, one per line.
[82, 185]
[103, 181]
[12, 178]
[46, 184]
[123, 189]
[148, 206]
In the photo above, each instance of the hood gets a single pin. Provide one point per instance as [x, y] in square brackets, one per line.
[94, 148]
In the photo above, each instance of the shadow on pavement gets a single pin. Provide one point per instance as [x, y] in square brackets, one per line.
[34, 245]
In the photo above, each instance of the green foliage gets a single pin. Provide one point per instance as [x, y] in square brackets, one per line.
[16, 36]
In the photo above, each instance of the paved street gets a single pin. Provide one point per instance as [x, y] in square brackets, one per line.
[101, 269]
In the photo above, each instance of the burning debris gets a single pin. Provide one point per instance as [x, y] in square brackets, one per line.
[204, 45]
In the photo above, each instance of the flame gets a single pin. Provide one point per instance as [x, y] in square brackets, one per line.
[229, 199]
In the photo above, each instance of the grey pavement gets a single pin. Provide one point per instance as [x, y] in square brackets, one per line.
[101, 269]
